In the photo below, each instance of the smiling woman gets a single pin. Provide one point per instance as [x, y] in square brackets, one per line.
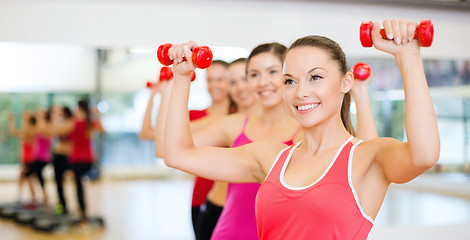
[347, 177]
[270, 123]
[315, 81]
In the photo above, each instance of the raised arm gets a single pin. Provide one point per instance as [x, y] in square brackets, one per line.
[366, 128]
[60, 126]
[404, 161]
[220, 164]
[147, 132]
[12, 126]
[208, 131]
[159, 132]
[98, 126]
[44, 126]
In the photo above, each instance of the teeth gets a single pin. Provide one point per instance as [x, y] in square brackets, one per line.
[306, 107]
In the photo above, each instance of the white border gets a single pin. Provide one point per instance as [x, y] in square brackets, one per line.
[351, 153]
[278, 156]
[281, 177]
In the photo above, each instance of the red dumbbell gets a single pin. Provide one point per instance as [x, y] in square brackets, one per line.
[424, 33]
[166, 74]
[202, 56]
[361, 71]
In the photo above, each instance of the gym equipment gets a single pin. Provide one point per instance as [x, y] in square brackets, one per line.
[10, 210]
[202, 56]
[193, 76]
[361, 71]
[64, 223]
[167, 74]
[25, 216]
[424, 33]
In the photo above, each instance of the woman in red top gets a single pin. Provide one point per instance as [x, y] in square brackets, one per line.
[330, 185]
[27, 136]
[82, 155]
[220, 107]
[61, 120]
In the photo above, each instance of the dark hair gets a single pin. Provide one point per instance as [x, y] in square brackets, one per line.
[67, 112]
[233, 108]
[337, 55]
[239, 60]
[83, 105]
[47, 115]
[275, 48]
[32, 120]
[220, 62]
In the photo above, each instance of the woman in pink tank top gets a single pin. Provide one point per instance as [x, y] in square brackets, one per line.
[266, 122]
[42, 151]
[220, 107]
[330, 185]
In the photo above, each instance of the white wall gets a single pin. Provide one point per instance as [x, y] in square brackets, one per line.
[105, 23]
[144, 23]
[46, 68]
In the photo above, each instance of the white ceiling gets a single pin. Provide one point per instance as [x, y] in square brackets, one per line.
[146, 23]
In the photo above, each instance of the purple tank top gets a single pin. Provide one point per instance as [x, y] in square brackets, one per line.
[238, 220]
[42, 149]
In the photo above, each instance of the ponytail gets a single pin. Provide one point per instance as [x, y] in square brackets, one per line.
[345, 113]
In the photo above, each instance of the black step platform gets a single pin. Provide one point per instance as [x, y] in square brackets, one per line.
[27, 216]
[9, 210]
[52, 223]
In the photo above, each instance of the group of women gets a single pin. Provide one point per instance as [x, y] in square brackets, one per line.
[63, 138]
[295, 166]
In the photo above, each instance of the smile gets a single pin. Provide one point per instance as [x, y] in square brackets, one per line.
[307, 106]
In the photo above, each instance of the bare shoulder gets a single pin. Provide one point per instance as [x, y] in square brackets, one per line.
[266, 153]
[233, 124]
[235, 118]
[367, 151]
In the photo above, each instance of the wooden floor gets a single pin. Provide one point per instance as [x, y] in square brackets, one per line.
[159, 209]
[143, 209]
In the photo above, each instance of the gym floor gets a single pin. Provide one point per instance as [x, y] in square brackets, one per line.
[159, 209]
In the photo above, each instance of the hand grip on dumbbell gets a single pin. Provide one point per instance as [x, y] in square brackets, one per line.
[166, 74]
[202, 56]
[424, 33]
[361, 71]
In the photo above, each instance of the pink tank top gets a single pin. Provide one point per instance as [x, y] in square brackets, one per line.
[42, 149]
[238, 220]
[326, 209]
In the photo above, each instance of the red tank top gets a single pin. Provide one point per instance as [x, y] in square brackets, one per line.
[326, 209]
[27, 154]
[202, 186]
[81, 144]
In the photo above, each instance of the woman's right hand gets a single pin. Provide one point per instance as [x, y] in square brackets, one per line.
[400, 33]
[181, 54]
